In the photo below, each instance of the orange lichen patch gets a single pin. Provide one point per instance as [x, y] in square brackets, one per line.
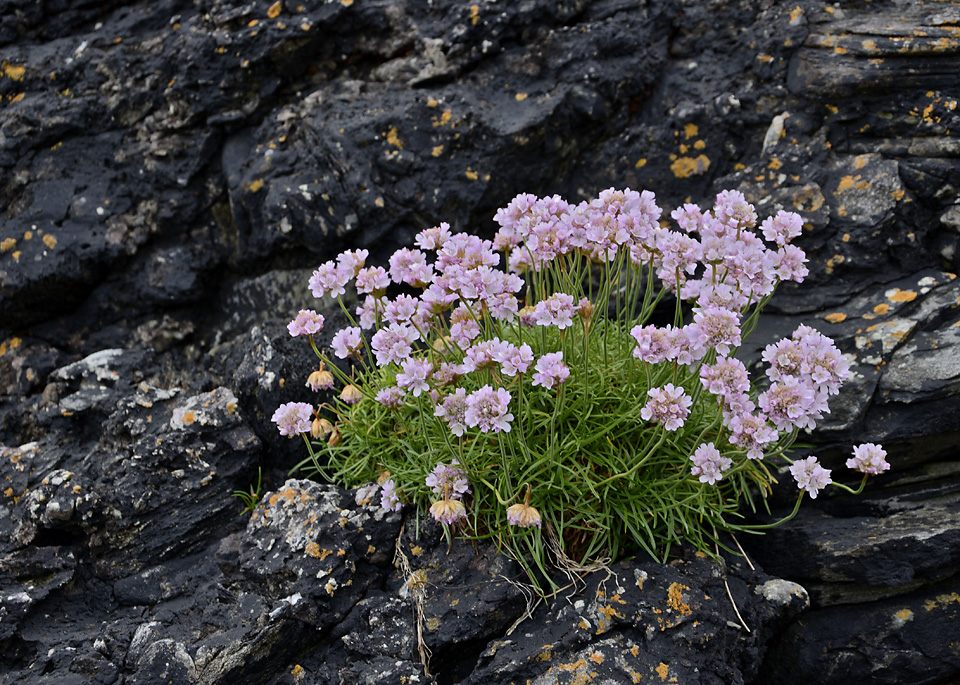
[28, 235]
[835, 317]
[432, 102]
[860, 161]
[471, 174]
[881, 308]
[607, 613]
[8, 492]
[274, 10]
[774, 164]
[252, 23]
[297, 671]
[393, 139]
[289, 496]
[520, 97]
[379, 202]
[764, 58]
[662, 670]
[675, 599]
[690, 130]
[795, 14]
[545, 653]
[312, 549]
[869, 45]
[897, 194]
[437, 151]
[188, 417]
[640, 163]
[444, 118]
[846, 238]
[12, 71]
[833, 261]
[15, 98]
[897, 295]
[474, 14]
[699, 145]
[847, 182]
[683, 148]
[596, 658]
[840, 50]
[903, 615]
[583, 625]
[685, 167]
[416, 550]
[255, 186]
[7, 244]
[841, 211]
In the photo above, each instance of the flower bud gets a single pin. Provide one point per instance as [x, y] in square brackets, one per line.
[448, 511]
[336, 437]
[351, 394]
[585, 309]
[320, 428]
[320, 380]
[523, 515]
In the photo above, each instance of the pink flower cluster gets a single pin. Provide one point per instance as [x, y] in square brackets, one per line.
[668, 406]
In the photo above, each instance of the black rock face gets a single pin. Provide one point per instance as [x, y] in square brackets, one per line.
[170, 174]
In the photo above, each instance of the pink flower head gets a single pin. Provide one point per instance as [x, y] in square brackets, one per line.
[792, 402]
[751, 432]
[725, 377]
[688, 217]
[410, 267]
[329, 279]
[654, 344]
[550, 370]
[373, 280]
[484, 354]
[668, 406]
[557, 310]
[514, 360]
[453, 410]
[402, 309]
[369, 311]
[487, 410]
[390, 496]
[414, 375]
[782, 228]
[394, 343]
[347, 342]
[715, 328]
[448, 481]
[352, 261]
[708, 463]
[433, 238]
[391, 397]
[308, 322]
[869, 458]
[463, 326]
[788, 264]
[293, 418]
[810, 476]
[733, 210]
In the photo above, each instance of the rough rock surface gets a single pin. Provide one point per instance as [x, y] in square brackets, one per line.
[171, 171]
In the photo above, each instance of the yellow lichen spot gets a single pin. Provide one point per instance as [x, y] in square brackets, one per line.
[416, 550]
[312, 549]
[929, 605]
[881, 308]
[255, 186]
[16, 256]
[847, 182]
[444, 118]
[795, 14]
[846, 238]
[690, 130]
[521, 97]
[840, 50]
[379, 202]
[739, 166]
[76, 489]
[297, 671]
[640, 163]
[860, 161]
[49, 241]
[775, 164]
[897, 295]
[28, 235]
[764, 58]
[304, 26]
[545, 653]
[12, 71]
[836, 317]
[832, 109]
[699, 145]
[903, 615]
[474, 14]
[869, 45]
[189, 417]
[371, 549]
[596, 658]
[683, 148]
[437, 151]
[635, 650]
[675, 598]
[897, 194]
[471, 174]
[252, 23]
[842, 210]
[346, 3]
[7, 244]
[15, 98]
[274, 10]
[662, 670]
[8, 492]
[221, 50]
[685, 167]
[393, 139]
[431, 102]
[433, 623]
